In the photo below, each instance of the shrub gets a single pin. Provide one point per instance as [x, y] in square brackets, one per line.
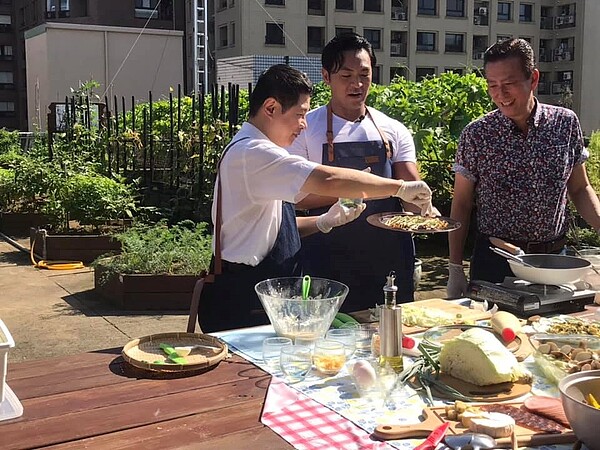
[183, 249]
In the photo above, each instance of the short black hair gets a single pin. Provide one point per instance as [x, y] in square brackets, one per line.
[332, 57]
[512, 48]
[282, 82]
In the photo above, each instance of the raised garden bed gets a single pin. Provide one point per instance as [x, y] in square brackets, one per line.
[72, 247]
[18, 224]
[141, 292]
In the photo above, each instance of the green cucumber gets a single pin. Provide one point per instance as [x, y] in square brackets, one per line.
[172, 354]
[346, 318]
[337, 323]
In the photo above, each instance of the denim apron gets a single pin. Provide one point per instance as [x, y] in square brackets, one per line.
[358, 254]
[231, 301]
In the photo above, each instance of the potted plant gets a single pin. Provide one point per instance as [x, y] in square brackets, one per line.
[157, 268]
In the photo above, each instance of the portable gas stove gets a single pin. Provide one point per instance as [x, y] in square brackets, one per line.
[525, 299]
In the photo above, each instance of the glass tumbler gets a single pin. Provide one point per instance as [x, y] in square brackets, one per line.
[329, 356]
[272, 351]
[346, 336]
[364, 335]
[296, 361]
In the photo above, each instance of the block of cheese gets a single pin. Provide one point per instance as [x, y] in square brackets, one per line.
[478, 357]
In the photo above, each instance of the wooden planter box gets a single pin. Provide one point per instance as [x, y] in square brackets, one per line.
[142, 292]
[18, 224]
[84, 248]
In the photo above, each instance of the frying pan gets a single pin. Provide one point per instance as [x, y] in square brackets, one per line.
[547, 268]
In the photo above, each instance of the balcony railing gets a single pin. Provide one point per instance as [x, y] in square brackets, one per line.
[543, 88]
[564, 54]
[480, 20]
[547, 23]
[560, 87]
[564, 21]
[546, 55]
[478, 53]
[400, 14]
[398, 49]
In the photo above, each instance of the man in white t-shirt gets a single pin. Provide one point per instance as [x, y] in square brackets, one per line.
[345, 133]
[257, 235]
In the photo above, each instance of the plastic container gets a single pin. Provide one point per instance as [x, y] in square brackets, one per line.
[10, 407]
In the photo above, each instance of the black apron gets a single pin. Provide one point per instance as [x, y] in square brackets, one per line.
[231, 301]
[358, 254]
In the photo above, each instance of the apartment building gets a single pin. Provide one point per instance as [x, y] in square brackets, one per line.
[417, 38]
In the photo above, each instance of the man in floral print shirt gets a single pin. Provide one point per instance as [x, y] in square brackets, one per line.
[517, 165]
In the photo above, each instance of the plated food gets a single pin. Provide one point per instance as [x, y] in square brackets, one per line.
[412, 223]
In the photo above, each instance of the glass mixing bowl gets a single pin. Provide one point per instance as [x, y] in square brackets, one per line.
[293, 317]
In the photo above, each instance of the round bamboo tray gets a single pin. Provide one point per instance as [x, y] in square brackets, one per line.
[145, 352]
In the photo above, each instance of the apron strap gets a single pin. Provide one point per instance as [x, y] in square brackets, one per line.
[330, 153]
[218, 265]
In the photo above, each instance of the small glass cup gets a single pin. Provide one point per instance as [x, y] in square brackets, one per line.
[346, 336]
[296, 362]
[306, 342]
[364, 336]
[350, 202]
[272, 351]
[329, 356]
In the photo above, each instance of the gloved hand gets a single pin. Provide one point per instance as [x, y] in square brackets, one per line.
[430, 211]
[457, 281]
[417, 193]
[338, 215]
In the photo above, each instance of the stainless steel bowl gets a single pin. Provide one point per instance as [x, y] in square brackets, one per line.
[584, 419]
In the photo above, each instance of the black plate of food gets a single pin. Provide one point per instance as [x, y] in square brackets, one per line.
[412, 223]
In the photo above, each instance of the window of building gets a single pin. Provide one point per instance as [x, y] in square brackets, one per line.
[397, 72]
[274, 34]
[345, 5]
[6, 52]
[373, 5]
[146, 9]
[503, 37]
[423, 72]
[455, 43]
[6, 80]
[5, 22]
[316, 7]
[275, 2]
[504, 11]
[221, 5]
[374, 37]
[426, 41]
[525, 12]
[427, 7]
[7, 109]
[376, 75]
[223, 36]
[527, 38]
[316, 39]
[456, 70]
[343, 30]
[64, 8]
[232, 34]
[455, 8]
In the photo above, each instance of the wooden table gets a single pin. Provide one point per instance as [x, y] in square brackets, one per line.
[97, 400]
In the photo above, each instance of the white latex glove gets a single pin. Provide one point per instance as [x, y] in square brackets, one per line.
[417, 193]
[338, 215]
[457, 281]
[430, 211]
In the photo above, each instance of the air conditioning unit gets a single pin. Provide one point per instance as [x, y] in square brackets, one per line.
[559, 21]
[566, 76]
[483, 11]
[570, 19]
[477, 20]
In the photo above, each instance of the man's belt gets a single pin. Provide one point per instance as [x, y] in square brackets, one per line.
[553, 246]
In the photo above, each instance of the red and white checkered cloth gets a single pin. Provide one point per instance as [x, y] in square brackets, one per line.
[308, 425]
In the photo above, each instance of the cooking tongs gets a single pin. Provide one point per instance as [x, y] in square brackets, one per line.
[510, 256]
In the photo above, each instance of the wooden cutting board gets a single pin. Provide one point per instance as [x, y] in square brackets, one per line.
[459, 311]
[434, 417]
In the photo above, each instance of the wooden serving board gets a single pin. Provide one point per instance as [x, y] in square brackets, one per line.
[492, 393]
[434, 417]
[450, 307]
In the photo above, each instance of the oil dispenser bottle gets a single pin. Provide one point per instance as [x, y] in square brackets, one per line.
[390, 327]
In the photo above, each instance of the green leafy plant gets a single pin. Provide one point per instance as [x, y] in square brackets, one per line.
[182, 249]
[9, 141]
[93, 199]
